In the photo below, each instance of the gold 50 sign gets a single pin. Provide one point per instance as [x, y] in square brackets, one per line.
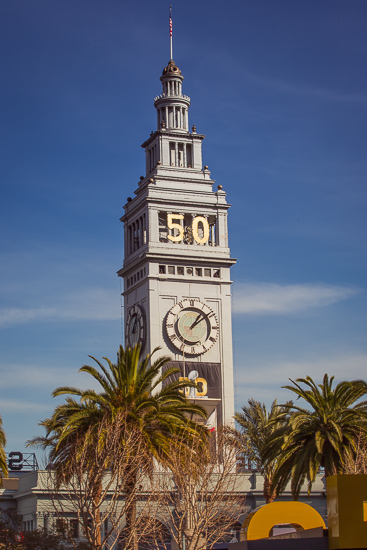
[199, 391]
[171, 223]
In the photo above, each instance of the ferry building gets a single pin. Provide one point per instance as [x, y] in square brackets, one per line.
[177, 290]
[177, 282]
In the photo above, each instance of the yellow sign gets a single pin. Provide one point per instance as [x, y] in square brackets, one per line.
[260, 522]
[200, 390]
[347, 511]
[177, 234]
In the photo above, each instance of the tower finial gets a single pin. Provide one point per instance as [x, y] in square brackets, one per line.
[170, 31]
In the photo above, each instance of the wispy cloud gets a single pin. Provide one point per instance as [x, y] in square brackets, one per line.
[270, 298]
[344, 366]
[93, 304]
[263, 381]
[290, 87]
[34, 376]
[282, 86]
[22, 406]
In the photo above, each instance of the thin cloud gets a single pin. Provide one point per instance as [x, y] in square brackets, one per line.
[21, 406]
[16, 315]
[282, 86]
[257, 381]
[47, 378]
[230, 64]
[275, 299]
[94, 304]
[346, 366]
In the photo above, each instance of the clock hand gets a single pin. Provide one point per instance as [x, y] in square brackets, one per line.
[198, 319]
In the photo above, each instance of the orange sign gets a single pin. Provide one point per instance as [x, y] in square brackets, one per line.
[260, 522]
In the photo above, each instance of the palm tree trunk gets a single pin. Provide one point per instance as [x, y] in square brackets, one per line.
[92, 513]
[97, 516]
[131, 527]
[269, 492]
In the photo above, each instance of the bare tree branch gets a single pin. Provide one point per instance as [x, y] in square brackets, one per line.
[92, 489]
[200, 501]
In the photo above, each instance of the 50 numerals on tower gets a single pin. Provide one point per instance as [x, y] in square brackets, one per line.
[200, 234]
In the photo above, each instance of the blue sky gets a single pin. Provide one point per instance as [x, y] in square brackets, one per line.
[279, 89]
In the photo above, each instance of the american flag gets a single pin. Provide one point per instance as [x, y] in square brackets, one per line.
[170, 21]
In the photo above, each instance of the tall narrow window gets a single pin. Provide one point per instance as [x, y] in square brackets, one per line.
[162, 221]
[156, 153]
[188, 238]
[189, 155]
[212, 230]
[180, 154]
[74, 528]
[172, 154]
[170, 117]
[137, 236]
[134, 237]
[129, 240]
[144, 226]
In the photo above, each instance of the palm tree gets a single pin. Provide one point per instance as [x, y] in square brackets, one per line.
[257, 426]
[3, 463]
[145, 393]
[321, 436]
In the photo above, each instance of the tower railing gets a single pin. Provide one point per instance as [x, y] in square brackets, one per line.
[164, 96]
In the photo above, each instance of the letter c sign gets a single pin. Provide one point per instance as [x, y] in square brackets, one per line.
[259, 523]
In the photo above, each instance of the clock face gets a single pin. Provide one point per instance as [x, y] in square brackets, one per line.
[135, 327]
[192, 327]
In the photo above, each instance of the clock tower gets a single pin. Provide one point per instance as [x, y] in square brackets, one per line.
[176, 271]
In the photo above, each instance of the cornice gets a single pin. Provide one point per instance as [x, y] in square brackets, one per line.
[172, 134]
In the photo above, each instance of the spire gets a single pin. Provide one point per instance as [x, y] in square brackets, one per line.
[173, 146]
[172, 106]
[170, 32]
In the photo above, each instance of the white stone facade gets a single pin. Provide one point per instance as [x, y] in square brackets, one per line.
[176, 249]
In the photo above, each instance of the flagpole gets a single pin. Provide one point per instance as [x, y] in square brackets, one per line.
[170, 31]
